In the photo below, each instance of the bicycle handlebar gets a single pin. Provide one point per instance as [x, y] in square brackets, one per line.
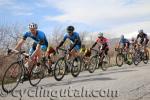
[17, 52]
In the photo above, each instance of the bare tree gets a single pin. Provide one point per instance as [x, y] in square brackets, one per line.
[57, 36]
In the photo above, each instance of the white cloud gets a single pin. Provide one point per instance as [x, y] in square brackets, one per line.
[97, 11]
[6, 2]
[116, 16]
[15, 8]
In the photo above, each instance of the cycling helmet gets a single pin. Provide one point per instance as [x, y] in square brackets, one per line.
[141, 31]
[122, 37]
[100, 34]
[33, 25]
[70, 28]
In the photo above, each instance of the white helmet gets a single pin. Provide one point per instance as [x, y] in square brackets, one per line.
[100, 34]
[33, 25]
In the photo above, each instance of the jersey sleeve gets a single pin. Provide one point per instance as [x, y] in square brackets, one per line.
[25, 35]
[137, 36]
[65, 37]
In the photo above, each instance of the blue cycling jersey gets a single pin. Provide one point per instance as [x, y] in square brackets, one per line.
[124, 41]
[39, 38]
[74, 36]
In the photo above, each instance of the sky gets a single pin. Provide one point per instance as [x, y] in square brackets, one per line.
[113, 17]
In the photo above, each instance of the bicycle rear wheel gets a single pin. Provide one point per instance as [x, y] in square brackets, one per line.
[36, 74]
[60, 69]
[11, 77]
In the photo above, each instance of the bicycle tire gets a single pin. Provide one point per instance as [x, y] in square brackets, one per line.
[18, 78]
[119, 56]
[103, 67]
[91, 69]
[73, 69]
[55, 68]
[37, 78]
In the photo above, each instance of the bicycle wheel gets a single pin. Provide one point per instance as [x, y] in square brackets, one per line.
[129, 59]
[60, 69]
[145, 57]
[36, 74]
[11, 77]
[93, 64]
[105, 63]
[76, 67]
[136, 58]
[119, 59]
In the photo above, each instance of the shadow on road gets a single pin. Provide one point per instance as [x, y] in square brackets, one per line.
[86, 78]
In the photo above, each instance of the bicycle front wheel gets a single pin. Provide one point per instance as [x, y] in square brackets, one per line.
[105, 63]
[11, 77]
[93, 64]
[76, 67]
[119, 59]
[145, 57]
[60, 69]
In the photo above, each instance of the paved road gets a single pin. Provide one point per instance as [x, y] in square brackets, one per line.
[125, 83]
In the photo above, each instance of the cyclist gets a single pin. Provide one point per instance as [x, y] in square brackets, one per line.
[39, 46]
[101, 40]
[133, 43]
[84, 51]
[124, 43]
[75, 38]
[143, 38]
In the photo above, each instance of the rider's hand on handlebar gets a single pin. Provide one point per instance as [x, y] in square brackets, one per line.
[9, 51]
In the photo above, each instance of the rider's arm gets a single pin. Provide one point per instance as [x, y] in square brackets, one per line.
[137, 38]
[62, 42]
[94, 45]
[19, 44]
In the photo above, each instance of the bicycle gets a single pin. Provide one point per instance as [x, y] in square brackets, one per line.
[140, 55]
[63, 64]
[17, 73]
[88, 63]
[123, 56]
[102, 61]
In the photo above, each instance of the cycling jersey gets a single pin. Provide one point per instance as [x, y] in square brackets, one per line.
[39, 38]
[124, 41]
[73, 37]
[86, 52]
[143, 37]
[83, 50]
[102, 41]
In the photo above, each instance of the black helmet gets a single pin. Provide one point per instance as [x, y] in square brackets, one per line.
[70, 28]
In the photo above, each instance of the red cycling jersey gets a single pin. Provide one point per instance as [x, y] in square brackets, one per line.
[102, 41]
